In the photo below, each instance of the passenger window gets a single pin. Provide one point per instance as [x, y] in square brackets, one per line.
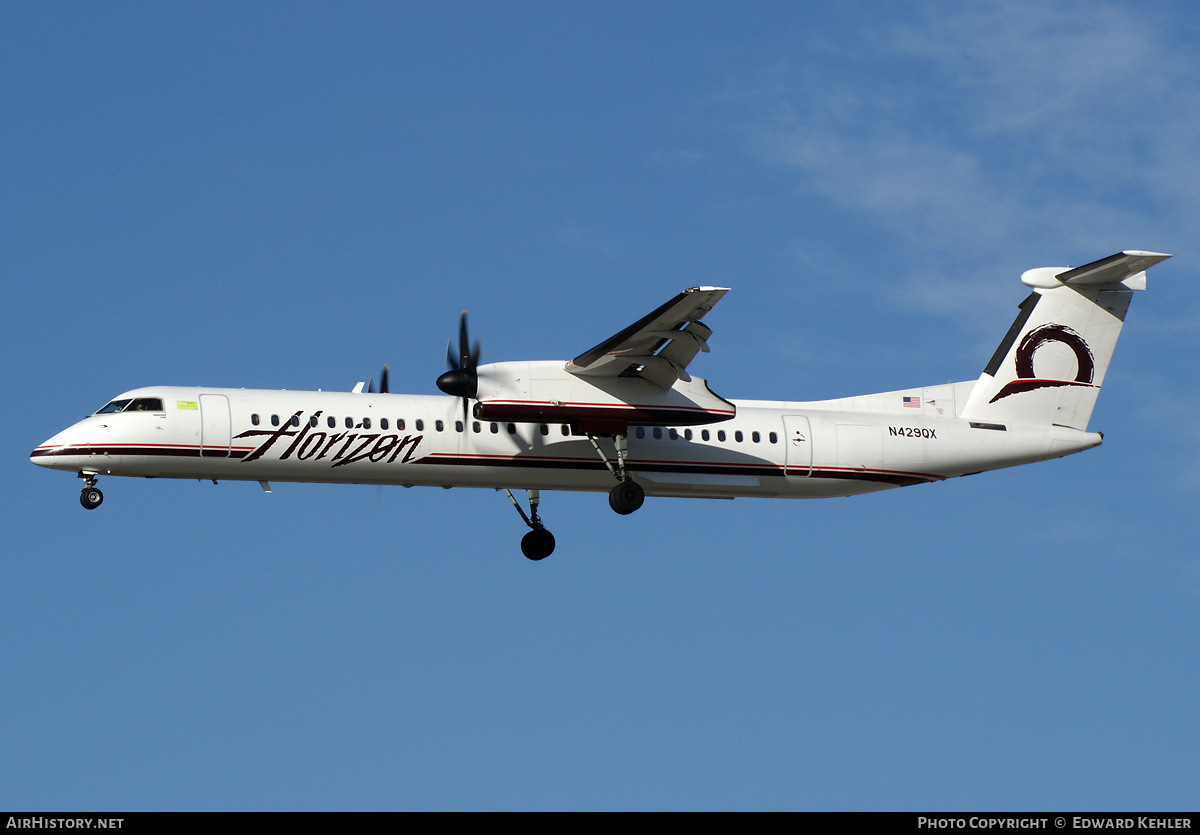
[254, 420]
[146, 404]
[420, 425]
[349, 423]
[495, 427]
[312, 421]
[773, 438]
[566, 430]
[721, 435]
[331, 422]
[295, 420]
[704, 434]
[438, 425]
[476, 428]
[383, 423]
[687, 434]
[640, 431]
[274, 420]
[400, 424]
[674, 435]
[658, 433]
[366, 423]
[754, 436]
[512, 429]
[545, 429]
[115, 406]
[737, 436]
[458, 426]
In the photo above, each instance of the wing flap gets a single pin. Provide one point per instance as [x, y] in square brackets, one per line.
[657, 347]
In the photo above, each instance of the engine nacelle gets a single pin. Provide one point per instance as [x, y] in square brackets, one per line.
[545, 392]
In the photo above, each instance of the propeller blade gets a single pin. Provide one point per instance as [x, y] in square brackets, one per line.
[462, 380]
[370, 385]
[464, 344]
[383, 387]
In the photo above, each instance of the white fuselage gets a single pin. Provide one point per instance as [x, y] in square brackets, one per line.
[769, 448]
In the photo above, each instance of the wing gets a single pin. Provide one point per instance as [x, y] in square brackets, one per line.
[657, 347]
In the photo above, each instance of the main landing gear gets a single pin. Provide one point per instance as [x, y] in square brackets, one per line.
[539, 542]
[628, 495]
[90, 497]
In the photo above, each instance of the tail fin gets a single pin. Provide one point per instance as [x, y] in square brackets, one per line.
[1069, 324]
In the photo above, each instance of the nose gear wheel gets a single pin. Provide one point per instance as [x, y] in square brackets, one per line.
[90, 497]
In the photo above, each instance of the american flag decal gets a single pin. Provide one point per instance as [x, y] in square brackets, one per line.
[912, 402]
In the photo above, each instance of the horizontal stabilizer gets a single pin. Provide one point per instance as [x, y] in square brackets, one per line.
[1113, 271]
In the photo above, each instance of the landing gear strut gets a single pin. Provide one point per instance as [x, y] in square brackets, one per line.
[90, 497]
[539, 542]
[628, 495]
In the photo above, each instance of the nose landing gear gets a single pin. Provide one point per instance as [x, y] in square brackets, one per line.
[90, 497]
[539, 542]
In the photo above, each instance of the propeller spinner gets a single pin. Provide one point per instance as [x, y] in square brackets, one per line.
[462, 380]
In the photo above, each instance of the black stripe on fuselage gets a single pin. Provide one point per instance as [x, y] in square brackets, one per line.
[767, 470]
[179, 452]
[596, 464]
[898, 479]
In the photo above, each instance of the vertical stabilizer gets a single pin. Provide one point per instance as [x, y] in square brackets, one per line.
[1051, 364]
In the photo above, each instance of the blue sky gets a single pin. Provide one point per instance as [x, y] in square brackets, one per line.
[289, 195]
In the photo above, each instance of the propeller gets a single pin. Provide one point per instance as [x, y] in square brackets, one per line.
[462, 380]
[383, 389]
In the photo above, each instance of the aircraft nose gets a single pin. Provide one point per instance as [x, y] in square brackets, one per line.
[44, 454]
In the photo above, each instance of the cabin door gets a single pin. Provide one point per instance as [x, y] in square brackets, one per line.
[214, 426]
[797, 436]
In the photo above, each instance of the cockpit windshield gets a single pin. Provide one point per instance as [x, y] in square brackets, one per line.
[141, 404]
[115, 406]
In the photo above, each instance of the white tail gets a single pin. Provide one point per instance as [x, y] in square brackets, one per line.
[1049, 368]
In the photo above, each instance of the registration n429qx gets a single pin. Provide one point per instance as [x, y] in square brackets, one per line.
[627, 418]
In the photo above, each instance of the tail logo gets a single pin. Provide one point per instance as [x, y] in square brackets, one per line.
[1028, 380]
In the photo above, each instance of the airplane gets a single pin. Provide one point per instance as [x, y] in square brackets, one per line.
[627, 418]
